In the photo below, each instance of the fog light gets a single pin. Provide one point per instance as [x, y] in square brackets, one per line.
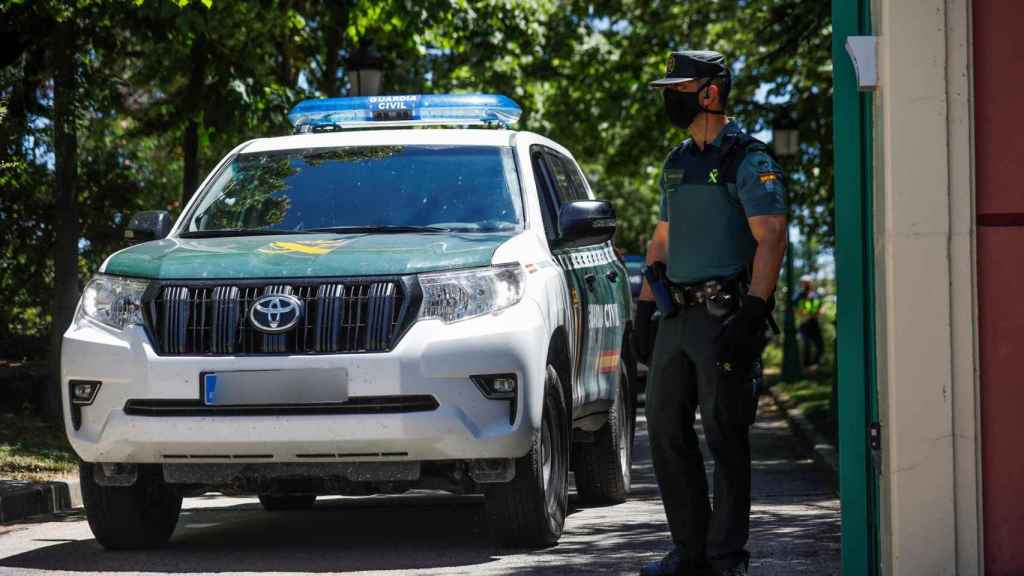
[83, 392]
[499, 387]
[504, 384]
[496, 386]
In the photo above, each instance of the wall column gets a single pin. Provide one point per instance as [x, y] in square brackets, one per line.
[925, 288]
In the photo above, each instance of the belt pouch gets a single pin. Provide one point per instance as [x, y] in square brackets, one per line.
[721, 304]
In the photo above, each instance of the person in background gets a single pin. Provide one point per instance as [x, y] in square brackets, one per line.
[808, 303]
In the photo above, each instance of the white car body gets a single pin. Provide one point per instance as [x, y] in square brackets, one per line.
[432, 358]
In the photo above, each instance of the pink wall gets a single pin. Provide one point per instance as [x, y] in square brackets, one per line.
[999, 160]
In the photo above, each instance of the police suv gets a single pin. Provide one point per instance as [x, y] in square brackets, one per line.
[361, 308]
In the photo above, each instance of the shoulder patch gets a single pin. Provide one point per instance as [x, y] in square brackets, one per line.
[770, 181]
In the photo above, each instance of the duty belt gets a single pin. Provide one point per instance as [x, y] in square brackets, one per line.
[687, 295]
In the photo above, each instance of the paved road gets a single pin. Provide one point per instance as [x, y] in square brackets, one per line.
[795, 530]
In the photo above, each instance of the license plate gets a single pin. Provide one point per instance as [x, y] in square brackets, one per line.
[262, 387]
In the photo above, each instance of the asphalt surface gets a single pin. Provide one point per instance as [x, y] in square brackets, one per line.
[795, 530]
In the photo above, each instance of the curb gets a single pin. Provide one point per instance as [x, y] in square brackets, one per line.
[824, 451]
[19, 500]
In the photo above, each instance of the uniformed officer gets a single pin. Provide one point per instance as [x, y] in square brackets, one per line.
[722, 237]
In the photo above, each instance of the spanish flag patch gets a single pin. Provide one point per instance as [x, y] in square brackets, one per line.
[609, 361]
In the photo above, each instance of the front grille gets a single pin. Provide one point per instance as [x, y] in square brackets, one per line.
[344, 316]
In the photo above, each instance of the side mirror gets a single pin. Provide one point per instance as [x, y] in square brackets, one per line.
[585, 222]
[148, 225]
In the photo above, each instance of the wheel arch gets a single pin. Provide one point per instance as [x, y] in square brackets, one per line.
[558, 356]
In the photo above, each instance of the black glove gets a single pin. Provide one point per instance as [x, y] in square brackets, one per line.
[643, 332]
[742, 338]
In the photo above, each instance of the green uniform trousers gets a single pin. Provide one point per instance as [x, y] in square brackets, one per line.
[684, 377]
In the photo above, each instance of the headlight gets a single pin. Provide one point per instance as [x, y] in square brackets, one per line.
[454, 296]
[112, 300]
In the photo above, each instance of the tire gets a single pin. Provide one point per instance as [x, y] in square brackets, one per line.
[273, 503]
[604, 468]
[530, 510]
[134, 517]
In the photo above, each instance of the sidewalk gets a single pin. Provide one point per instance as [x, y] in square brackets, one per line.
[795, 518]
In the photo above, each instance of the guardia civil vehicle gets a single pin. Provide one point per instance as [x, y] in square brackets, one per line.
[404, 294]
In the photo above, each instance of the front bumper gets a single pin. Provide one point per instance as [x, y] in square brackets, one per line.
[432, 361]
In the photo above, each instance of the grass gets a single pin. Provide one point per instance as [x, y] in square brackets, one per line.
[32, 449]
[813, 394]
[813, 397]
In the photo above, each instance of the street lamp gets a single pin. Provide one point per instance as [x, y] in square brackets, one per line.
[364, 71]
[785, 143]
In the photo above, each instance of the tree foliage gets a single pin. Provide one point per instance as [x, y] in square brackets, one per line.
[165, 88]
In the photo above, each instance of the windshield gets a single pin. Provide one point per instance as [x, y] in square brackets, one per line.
[397, 188]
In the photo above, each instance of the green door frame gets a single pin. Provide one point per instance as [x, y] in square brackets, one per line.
[856, 382]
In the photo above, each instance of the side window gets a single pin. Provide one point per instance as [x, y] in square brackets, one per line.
[548, 209]
[562, 176]
[577, 179]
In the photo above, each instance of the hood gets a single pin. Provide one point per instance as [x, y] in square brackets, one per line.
[305, 255]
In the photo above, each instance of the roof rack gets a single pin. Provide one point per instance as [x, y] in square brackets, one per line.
[333, 114]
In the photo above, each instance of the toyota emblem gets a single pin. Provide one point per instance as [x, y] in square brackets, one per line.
[275, 313]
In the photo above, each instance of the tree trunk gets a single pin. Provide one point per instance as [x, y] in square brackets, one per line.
[193, 103]
[285, 67]
[66, 221]
[334, 41]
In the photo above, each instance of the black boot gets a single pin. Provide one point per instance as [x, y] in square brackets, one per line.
[675, 563]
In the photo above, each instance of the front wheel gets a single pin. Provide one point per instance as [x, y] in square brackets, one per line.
[530, 510]
[134, 517]
[604, 468]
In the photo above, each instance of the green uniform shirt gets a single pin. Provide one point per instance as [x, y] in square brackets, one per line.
[709, 236]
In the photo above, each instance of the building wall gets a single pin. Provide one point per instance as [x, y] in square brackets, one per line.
[999, 140]
[924, 253]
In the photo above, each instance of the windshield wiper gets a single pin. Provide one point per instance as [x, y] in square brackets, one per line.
[380, 229]
[228, 232]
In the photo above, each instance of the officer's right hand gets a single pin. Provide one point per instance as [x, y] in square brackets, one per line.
[643, 333]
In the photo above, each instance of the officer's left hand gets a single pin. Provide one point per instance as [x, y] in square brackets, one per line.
[742, 338]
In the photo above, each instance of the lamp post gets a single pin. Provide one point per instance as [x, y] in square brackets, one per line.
[364, 71]
[785, 143]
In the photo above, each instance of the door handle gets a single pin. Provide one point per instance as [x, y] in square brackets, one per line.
[590, 279]
[612, 275]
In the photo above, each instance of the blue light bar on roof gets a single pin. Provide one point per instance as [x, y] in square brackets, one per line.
[410, 110]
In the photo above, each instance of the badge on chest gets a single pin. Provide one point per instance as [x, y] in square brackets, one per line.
[674, 177]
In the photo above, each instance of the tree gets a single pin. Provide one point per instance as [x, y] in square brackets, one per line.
[113, 107]
[65, 139]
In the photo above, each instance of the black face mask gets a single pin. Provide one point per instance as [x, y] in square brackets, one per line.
[681, 107]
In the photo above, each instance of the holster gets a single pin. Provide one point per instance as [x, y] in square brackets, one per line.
[657, 278]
